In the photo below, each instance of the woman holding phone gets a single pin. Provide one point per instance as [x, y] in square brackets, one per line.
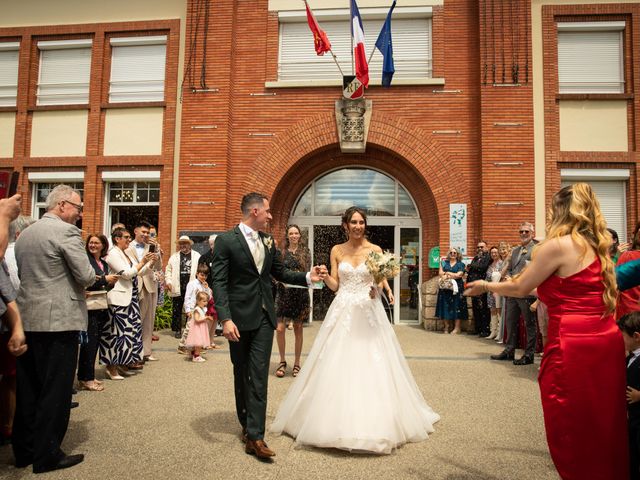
[121, 341]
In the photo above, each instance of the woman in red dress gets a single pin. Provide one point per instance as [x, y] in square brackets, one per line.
[582, 377]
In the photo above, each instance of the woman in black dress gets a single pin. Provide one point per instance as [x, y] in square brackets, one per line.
[292, 302]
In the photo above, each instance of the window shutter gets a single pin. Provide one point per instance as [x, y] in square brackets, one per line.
[590, 62]
[138, 72]
[8, 73]
[612, 198]
[411, 50]
[64, 76]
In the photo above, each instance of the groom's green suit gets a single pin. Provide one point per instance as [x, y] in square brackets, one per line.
[244, 295]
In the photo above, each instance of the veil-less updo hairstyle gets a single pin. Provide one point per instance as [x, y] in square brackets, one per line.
[348, 214]
[575, 211]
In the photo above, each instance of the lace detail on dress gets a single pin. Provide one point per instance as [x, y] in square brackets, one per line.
[355, 285]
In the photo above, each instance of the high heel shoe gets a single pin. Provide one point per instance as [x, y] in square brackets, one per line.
[124, 371]
[113, 376]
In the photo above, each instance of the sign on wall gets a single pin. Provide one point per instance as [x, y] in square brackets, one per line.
[458, 226]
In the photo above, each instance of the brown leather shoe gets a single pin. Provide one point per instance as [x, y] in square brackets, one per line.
[259, 449]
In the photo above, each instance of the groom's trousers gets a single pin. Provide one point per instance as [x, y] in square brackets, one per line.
[250, 357]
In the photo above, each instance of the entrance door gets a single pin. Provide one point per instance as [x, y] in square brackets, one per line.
[324, 238]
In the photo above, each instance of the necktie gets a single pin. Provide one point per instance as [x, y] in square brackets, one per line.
[257, 251]
[140, 245]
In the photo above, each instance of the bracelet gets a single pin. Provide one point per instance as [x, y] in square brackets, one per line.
[485, 286]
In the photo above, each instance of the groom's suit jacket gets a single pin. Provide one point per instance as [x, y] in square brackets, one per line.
[240, 291]
[633, 381]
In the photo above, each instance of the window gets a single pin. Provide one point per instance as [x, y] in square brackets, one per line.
[129, 202]
[373, 191]
[8, 73]
[590, 57]
[65, 68]
[138, 69]
[609, 185]
[42, 190]
[411, 30]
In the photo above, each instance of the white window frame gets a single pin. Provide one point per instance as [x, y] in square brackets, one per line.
[613, 175]
[66, 91]
[321, 70]
[600, 78]
[38, 179]
[127, 177]
[9, 60]
[147, 84]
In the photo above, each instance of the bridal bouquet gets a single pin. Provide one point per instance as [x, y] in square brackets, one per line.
[382, 265]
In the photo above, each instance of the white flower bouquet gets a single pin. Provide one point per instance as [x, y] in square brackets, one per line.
[382, 265]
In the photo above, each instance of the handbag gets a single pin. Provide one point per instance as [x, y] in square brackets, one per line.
[96, 300]
[445, 284]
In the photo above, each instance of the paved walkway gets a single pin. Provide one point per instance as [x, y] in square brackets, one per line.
[176, 420]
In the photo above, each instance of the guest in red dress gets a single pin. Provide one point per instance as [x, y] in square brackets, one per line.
[629, 300]
[582, 377]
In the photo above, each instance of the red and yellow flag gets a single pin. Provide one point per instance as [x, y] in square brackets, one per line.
[320, 39]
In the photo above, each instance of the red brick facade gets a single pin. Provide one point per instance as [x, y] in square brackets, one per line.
[469, 141]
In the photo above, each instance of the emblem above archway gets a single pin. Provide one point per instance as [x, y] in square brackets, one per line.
[353, 118]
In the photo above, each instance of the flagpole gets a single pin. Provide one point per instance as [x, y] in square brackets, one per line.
[336, 60]
[371, 56]
[353, 61]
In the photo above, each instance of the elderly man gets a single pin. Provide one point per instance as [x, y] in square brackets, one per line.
[148, 285]
[181, 269]
[514, 307]
[54, 272]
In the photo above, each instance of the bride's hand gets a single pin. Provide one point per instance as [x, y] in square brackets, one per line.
[373, 292]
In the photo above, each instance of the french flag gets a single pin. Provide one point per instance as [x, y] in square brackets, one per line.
[359, 54]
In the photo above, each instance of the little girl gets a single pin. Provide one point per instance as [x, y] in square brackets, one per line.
[199, 330]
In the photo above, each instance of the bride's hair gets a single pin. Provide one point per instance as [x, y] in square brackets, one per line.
[348, 214]
[575, 211]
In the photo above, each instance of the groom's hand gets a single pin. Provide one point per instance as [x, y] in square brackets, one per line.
[230, 331]
[318, 273]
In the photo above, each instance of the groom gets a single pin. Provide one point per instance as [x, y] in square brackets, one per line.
[244, 259]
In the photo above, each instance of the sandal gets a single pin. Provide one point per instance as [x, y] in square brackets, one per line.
[281, 370]
[92, 387]
[295, 371]
[213, 346]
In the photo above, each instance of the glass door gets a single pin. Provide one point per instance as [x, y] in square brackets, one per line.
[408, 292]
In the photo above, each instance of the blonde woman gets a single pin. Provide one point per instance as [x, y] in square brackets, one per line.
[582, 377]
[451, 305]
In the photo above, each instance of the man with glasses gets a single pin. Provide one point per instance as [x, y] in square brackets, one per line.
[477, 270]
[514, 307]
[54, 271]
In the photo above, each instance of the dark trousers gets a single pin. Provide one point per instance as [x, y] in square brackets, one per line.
[88, 351]
[481, 314]
[514, 308]
[176, 312]
[634, 451]
[44, 377]
[250, 357]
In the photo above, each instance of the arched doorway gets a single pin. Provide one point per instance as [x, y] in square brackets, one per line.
[393, 220]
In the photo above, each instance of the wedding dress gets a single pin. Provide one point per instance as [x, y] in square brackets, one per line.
[355, 391]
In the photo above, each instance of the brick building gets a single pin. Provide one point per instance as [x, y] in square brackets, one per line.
[172, 109]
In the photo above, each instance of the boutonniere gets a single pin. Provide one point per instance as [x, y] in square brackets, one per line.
[268, 241]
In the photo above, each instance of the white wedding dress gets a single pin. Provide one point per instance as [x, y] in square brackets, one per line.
[355, 390]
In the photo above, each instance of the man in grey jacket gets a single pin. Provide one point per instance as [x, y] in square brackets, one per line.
[54, 270]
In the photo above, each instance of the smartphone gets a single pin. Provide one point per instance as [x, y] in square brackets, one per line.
[8, 184]
[152, 248]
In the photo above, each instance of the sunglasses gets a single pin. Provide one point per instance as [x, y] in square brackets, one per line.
[523, 232]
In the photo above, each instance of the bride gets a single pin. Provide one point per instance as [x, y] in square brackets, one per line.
[355, 391]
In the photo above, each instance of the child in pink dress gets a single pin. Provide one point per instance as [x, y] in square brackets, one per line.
[198, 337]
